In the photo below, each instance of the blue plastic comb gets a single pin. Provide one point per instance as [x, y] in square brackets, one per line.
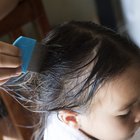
[31, 53]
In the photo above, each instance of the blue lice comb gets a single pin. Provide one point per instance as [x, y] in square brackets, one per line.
[32, 54]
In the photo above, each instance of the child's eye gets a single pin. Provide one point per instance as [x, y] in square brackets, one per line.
[125, 115]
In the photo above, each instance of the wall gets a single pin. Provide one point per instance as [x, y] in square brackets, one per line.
[59, 11]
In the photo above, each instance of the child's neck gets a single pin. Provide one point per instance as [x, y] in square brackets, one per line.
[89, 136]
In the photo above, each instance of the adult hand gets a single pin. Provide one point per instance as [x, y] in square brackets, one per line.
[10, 62]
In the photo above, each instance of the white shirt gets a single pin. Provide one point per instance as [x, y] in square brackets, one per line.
[57, 130]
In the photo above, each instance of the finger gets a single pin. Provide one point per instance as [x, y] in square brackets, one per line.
[6, 48]
[8, 73]
[18, 70]
[9, 61]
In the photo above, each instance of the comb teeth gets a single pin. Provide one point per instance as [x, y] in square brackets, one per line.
[37, 58]
[32, 54]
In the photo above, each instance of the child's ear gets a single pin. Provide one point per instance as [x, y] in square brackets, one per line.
[69, 117]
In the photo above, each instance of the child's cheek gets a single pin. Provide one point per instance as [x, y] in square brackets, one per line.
[125, 125]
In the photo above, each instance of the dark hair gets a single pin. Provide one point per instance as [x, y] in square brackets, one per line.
[81, 57]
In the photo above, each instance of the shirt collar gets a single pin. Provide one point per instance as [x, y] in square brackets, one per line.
[57, 130]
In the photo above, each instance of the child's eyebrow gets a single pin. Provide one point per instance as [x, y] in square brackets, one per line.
[128, 105]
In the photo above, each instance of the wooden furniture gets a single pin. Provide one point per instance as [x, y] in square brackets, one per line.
[25, 12]
[14, 125]
[6, 7]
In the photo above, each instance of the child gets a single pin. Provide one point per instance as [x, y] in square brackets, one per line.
[88, 87]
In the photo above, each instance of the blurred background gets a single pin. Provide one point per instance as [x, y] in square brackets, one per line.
[27, 17]
[34, 18]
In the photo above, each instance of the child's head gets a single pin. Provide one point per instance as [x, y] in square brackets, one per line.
[90, 76]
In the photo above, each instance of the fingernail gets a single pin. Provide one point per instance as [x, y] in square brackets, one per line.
[18, 71]
[17, 74]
